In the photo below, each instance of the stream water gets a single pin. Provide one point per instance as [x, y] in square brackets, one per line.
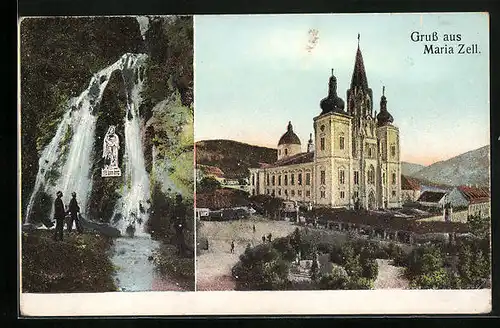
[131, 256]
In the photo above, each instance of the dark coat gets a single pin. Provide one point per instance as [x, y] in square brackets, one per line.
[73, 206]
[59, 212]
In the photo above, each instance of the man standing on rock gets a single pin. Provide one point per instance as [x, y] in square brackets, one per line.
[74, 209]
[59, 214]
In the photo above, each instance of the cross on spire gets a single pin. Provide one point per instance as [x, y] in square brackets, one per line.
[383, 90]
[358, 39]
[332, 71]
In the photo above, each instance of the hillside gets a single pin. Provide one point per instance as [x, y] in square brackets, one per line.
[472, 167]
[232, 157]
[410, 168]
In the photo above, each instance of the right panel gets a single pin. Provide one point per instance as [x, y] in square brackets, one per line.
[342, 152]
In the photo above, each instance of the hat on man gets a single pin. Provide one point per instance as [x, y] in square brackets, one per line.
[59, 193]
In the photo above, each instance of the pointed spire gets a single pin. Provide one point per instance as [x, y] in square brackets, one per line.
[383, 90]
[332, 71]
[359, 74]
[310, 146]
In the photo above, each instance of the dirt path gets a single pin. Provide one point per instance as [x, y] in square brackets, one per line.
[390, 276]
[214, 266]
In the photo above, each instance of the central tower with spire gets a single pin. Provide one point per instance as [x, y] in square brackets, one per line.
[352, 158]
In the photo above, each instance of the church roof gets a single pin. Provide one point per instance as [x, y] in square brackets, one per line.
[307, 157]
[359, 74]
[289, 137]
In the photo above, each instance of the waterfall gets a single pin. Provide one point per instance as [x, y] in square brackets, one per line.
[134, 205]
[65, 163]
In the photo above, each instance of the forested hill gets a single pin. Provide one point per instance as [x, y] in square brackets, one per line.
[233, 157]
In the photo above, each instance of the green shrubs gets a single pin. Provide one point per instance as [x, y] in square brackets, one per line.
[261, 268]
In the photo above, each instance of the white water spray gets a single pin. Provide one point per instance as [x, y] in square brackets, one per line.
[66, 165]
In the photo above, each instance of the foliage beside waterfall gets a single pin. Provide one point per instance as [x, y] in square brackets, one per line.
[173, 146]
[168, 103]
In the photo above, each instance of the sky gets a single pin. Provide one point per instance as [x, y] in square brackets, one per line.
[253, 74]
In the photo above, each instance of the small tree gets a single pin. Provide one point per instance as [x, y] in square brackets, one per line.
[336, 280]
[369, 269]
[208, 184]
[314, 271]
[478, 226]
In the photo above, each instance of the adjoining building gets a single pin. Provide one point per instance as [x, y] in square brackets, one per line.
[208, 171]
[435, 199]
[353, 160]
[410, 189]
[477, 201]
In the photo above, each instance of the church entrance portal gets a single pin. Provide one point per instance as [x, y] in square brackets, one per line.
[371, 200]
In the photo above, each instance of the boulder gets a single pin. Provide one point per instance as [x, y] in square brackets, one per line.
[102, 228]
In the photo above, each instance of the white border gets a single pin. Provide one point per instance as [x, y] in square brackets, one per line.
[259, 303]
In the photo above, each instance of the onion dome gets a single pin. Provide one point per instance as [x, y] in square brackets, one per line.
[289, 137]
[332, 102]
[384, 117]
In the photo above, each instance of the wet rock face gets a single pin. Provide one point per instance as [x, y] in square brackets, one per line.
[104, 195]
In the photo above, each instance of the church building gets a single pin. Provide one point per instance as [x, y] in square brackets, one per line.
[353, 158]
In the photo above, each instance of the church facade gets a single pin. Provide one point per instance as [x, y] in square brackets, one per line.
[352, 158]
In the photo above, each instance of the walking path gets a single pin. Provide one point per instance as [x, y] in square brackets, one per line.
[390, 276]
[213, 267]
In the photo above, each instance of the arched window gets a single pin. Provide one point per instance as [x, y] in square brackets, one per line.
[393, 178]
[286, 151]
[341, 176]
[341, 142]
[393, 150]
[371, 175]
[253, 179]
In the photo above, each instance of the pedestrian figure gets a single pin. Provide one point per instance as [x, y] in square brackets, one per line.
[232, 246]
[74, 210]
[59, 214]
[254, 228]
[269, 237]
[263, 239]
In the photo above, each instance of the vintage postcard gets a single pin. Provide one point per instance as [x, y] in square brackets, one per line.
[255, 165]
[343, 152]
[106, 132]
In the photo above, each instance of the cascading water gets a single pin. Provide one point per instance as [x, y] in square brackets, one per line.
[134, 205]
